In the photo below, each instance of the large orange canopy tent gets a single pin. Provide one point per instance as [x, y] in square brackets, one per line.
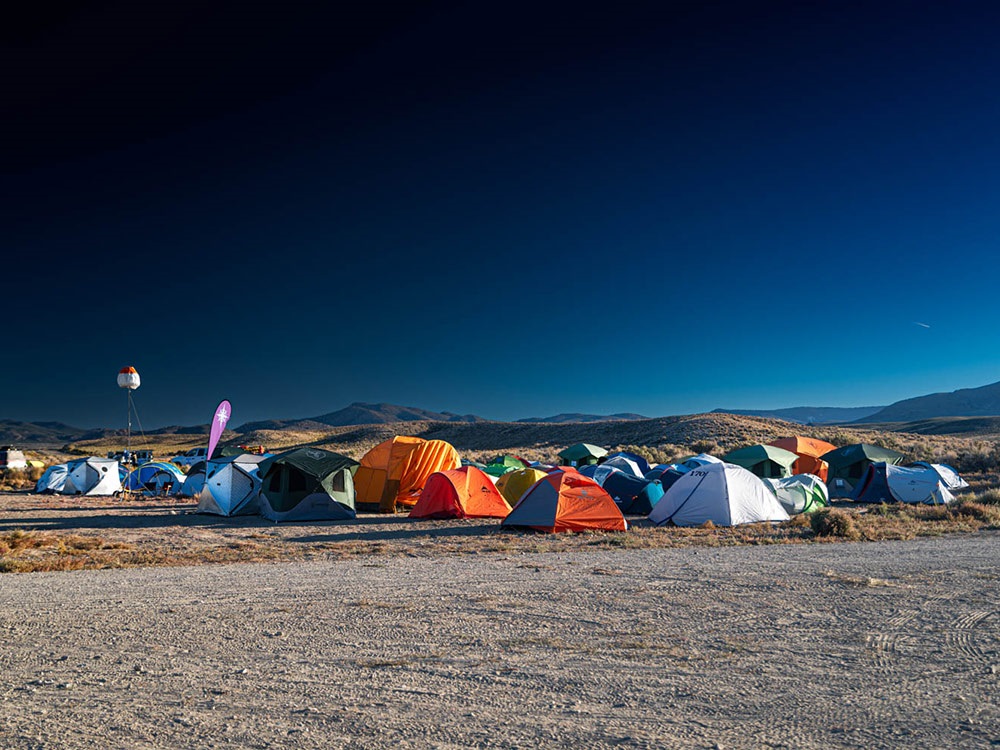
[567, 501]
[394, 471]
[809, 451]
[466, 492]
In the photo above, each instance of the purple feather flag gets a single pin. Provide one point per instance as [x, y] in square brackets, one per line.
[219, 421]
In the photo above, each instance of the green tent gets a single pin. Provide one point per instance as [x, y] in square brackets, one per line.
[582, 454]
[766, 461]
[502, 464]
[848, 465]
[307, 484]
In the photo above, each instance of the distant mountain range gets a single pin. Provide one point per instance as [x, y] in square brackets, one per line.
[360, 413]
[966, 402]
[566, 418]
[937, 413]
[809, 414]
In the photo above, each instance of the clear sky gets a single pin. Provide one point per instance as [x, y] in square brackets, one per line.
[502, 209]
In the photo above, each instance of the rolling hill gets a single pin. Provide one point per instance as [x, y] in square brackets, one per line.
[809, 414]
[564, 418]
[965, 402]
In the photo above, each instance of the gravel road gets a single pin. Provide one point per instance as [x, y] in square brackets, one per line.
[852, 645]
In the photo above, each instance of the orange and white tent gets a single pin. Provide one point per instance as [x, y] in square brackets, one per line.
[809, 451]
[513, 484]
[466, 492]
[394, 471]
[567, 501]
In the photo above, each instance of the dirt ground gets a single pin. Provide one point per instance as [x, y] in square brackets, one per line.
[797, 645]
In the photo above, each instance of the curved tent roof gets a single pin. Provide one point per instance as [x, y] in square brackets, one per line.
[307, 484]
[52, 479]
[886, 483]
[723, 493]
[799, 493]
[394, 471]
[700, 460]
[566, 501]
[641, 462]
[763, 460]
[628, 465]
[515, 483]
[466, 492]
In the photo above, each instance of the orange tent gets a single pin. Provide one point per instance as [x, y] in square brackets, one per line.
[395, 471]
[466, 492]
[567, 501]
[809, 451]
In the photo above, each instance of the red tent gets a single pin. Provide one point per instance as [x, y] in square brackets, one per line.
[460, 493]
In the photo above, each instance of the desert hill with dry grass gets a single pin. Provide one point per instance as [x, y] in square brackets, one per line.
[663, 439]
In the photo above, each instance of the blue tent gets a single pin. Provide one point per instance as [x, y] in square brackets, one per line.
[155, 477]
[642, 463]
[631, 494]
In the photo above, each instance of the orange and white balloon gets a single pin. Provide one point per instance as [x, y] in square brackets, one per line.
[128, 377]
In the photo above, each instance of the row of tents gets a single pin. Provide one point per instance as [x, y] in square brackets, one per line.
[429, 477]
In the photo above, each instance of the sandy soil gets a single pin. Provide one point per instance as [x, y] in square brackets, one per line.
[853, 645]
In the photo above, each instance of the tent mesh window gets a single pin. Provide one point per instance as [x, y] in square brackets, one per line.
[337, 483]
[241, 485]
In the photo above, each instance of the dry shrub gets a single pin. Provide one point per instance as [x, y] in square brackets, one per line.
[799, 520]
[989, 497]
[707, 525]
[970, 508]
[705, 446]
[835, 522]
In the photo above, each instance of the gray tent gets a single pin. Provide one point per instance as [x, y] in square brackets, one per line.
[307, 484]
[231, 486]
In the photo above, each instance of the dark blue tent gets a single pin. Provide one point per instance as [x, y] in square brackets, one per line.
[642, 463]
[631, 494]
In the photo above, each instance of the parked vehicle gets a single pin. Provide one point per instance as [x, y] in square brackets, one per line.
[193, 456]
[11, 458]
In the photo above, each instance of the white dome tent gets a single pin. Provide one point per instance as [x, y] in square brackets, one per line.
[725, 494]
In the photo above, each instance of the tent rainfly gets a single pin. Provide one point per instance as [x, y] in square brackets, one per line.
[92, 476]
[394, 471]
[951, 478]
[466, 492]
[515, 483]
[307, 484]
[809, 451]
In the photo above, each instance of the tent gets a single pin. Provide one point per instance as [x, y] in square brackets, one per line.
[231, 486]
[460, 493]
[631, 494]
[763, 460]
[567, 501]
[809, 451]
[639, 461]
[515, 483]
[91, 476]
[725, 494]
[194, 480]
[307, 484]
[394, 471]
[628, 465]
[886, 483]
[52, 479]
[800, 493]
[503, 464]
[600, 472]
[848, 465]
[948, 475]
[695, 461]
[155, 478]
[582, 453]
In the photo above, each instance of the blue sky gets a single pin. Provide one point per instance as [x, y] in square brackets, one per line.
[502, 210]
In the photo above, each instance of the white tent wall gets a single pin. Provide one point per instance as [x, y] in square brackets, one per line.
[231, 487]
[917, 485]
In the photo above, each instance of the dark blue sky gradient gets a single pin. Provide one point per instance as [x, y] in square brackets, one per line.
[502, 210]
